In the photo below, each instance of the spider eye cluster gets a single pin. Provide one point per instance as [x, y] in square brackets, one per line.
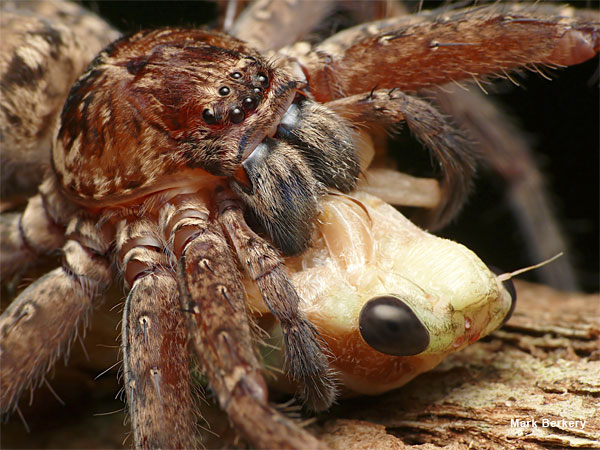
[249, 94]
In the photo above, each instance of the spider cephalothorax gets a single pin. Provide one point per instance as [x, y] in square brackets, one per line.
[191, 164]
[168, 109]
[165, 102]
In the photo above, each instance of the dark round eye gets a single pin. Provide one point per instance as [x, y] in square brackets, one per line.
[389, 326]
[223, 90]
[209, 117]
[249, 103]
[236, 115]
[263, 80]
[510, 287]
[257, 90]
[236, 75]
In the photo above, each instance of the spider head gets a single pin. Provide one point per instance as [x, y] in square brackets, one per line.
[165, 108]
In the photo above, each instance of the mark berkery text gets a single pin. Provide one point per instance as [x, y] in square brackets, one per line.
[547, 423]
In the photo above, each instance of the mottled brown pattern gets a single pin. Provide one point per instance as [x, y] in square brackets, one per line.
[155, 117]
[215, 311]
[40, 58]
[156, 363]
[463, 44]
[29, 346]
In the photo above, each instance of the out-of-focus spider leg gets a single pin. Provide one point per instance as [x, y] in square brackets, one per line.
[305, 360]
[400, 189]
[505, 151]
[43, 320]
[45, 46]
[450, 147]
[38, 230]
[260, 24]
[156, 365]
[271, 25]
[463, 44]
[212, 296]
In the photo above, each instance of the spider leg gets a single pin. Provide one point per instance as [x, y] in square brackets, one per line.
[401, 189]
[213, 297]
[43, 320]
[38, 230]
[155, 356]
[268, 25]
[460, 44]
[305, 359]
[46, 45]
[452, 150]
[260, 24]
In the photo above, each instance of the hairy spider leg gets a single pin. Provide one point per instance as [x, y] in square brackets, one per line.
[42, 322]
[156, 364]
[305, 360]
[36, 232]
[464, 44]
[449, 146]
[212, 295]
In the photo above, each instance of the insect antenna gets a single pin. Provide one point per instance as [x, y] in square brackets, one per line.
[509, 275]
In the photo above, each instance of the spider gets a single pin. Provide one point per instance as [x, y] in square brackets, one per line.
[182, 154]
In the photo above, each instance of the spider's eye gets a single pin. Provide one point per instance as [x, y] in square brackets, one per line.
[263, 80]
[236, 75]
[223, 91]
[389, 326]
[209, 116]
[249, 103]
[236, 115]
[257, 90]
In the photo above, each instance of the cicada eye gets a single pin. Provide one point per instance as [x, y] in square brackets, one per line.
[510, 287]
[389, 326]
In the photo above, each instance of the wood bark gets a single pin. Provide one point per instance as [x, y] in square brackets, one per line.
[544, 364]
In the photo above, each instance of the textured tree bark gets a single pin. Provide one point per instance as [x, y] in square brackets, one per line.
[544, 365]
